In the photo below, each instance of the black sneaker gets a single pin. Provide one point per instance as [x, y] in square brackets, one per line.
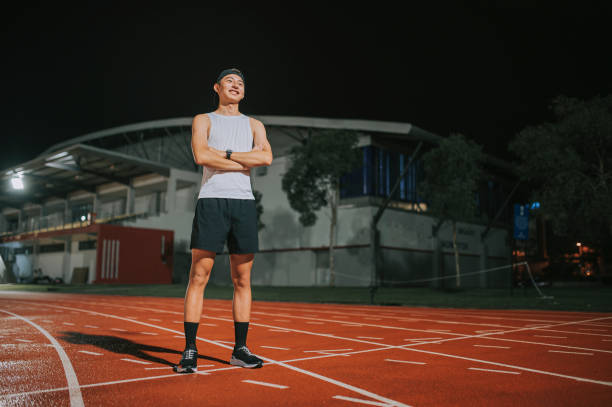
[244, 358]
[189, 361]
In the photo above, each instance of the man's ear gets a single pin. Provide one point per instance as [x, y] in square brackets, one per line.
[216, 88]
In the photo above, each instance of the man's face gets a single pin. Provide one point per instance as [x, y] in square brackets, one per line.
[230, 89]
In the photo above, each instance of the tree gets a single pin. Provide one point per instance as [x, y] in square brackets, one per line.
[313, 178]
[452, 173]
[568, 164]
[259, 208]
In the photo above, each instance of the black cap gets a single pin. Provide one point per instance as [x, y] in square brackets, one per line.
[229, 71]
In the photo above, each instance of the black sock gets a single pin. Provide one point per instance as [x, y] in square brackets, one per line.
[240, 331]
[191, 330]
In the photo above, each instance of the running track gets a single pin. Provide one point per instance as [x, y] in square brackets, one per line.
[75, 350]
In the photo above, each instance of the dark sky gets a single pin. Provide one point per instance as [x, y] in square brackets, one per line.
[486, 71]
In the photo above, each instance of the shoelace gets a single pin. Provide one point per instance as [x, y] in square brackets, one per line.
[246, 350]
[189, 353]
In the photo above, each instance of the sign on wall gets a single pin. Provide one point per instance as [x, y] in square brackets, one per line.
[521, 222]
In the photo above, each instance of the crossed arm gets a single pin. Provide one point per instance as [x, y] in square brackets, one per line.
[261, 154]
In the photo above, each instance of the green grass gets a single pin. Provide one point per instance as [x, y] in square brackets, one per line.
[596, 298]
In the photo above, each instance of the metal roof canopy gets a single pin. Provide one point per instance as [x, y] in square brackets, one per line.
[76, 167]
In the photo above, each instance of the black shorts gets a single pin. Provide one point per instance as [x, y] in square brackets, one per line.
[220, 220]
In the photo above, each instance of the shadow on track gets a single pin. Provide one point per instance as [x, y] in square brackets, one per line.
[125, 346]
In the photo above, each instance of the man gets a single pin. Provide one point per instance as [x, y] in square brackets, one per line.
[227, 144]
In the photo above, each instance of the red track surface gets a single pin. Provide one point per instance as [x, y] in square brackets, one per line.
[119, 351]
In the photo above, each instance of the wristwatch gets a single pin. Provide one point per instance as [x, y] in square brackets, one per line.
[228, 154]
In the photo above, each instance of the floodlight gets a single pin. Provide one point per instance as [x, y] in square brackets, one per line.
[17, 182]
[83, 218]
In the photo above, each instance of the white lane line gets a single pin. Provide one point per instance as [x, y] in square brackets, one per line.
[179, 336]
[592, 329]
[276, 386]
[493, 370]
[550, 336]
[178, 322]
[368, 402]
[155, 319]
[272, 361]
[492, 346]
[526, 369]
[90, 353]
[314, 323]
[207, 324]
[68, 323]
[369, 337]
[282, 320]
[405, 361]
[355, 325]
[149, 333]
[278, 330]
[91, 326]
[118, 329]
[606, 340]
[405, 347]
[573, 353]
[24, 340]
[326, 350]
[76, 398]
[47, 321]
[421, 339]
[142, 362]
[274, 347]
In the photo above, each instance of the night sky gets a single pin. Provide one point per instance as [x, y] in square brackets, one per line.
[486, 71]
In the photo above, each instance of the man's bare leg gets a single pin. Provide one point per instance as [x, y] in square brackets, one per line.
[201, 264]
[241, 265]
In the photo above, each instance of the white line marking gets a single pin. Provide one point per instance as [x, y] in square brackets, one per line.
[328, 350]
[421, 339]
[274, 347]
[354, 400]
[277, 386]
[282, 320]
[573, 353]
[356, 325]
[149, 333]
[118, 329]
[159, 368]
[91, 326]
[155, 319]
[207, 324]
[550, 336]
[405, 361]
[492, 346]
[24, 340]
[90, 353]
[592, 329]
[606, 340]
[278, 330]
[314, 323]
[76, 398]
[47, 320]
[179, 336]
[493, 370]
[142, 362]
[272, 361]
[369, 337]
[405, 347]
[178, 322]
[68, 323]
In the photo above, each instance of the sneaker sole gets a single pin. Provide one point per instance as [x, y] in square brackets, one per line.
[180, 369]
[240, 363]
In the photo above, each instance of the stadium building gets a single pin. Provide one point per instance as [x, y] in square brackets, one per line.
[116, 206]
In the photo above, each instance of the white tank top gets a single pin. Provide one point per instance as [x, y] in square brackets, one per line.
[228, 133]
